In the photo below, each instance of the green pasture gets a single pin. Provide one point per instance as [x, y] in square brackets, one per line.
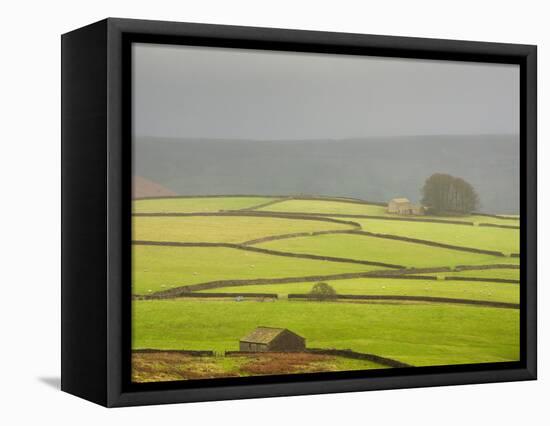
[496, 292]
[477, 219]
[195, 205]
[487, 238]
[508, 274]
[158, 268]
[328, 207]
[325, 207]
[361, 247]
[419, 334]
[227, 229]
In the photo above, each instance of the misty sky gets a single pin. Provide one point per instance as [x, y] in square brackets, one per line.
[204, 92]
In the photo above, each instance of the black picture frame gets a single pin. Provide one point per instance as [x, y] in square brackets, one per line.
[96, 227]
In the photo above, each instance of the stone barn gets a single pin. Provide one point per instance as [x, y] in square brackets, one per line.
[403, 206]
[269, 339]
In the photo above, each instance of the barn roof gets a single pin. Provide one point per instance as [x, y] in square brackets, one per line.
[400, 200]
[262, 335]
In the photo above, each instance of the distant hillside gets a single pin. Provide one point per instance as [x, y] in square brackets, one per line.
[371, 169]
[142, 187]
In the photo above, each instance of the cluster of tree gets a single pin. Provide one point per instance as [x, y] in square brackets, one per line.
[322, 291]
[444, 193]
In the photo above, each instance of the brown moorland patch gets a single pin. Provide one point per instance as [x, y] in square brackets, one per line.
[171, 366]
[285, 363]
[142, 187]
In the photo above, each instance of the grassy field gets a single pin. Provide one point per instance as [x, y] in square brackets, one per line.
[361, 247]
[497, 292]
[223, 229]
[324, 207]
[508, 274]
[159, 268]
[417, 333]
[486, 238]
[195, 205]
[328, 207]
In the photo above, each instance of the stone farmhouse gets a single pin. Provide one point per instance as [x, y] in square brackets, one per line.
[269, 339]
[403, 206]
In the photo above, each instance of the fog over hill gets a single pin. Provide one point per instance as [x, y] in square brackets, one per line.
[374, 169]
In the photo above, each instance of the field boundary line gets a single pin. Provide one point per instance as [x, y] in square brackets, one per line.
[402, 274]
[350, 200]
[366, 216]
[495, 225]
[259, 206]
[429, 243]
[483, 279]
[377, 235]
[302, 216]
[218, 295]
[357, 228]
[184, 289]
[441, 269]
[483, 267]
[348, 353]
[170, 197]
[287, 197]
[252, 213]
[487, 303]
[295, 235]
[269, 251]
[496, 216]
[178, 351]
[399, 274]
